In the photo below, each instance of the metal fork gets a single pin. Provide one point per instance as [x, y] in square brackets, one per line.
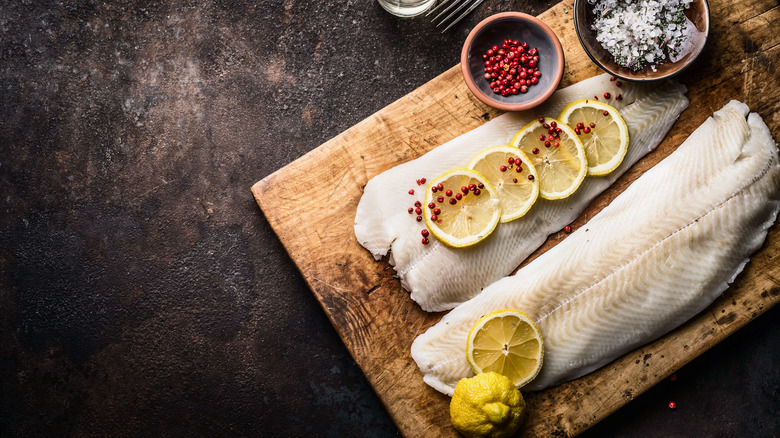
[460, 5]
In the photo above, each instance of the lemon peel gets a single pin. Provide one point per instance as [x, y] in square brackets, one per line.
[487, 405]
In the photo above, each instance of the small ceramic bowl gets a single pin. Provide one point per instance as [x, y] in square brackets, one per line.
[698, 13]
[523, 28]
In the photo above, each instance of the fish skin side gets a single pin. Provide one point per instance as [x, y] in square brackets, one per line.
[660, 253]
[439, 277]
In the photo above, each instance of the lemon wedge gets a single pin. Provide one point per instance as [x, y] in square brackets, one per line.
[507, 342]
[513, 176]
[462, 207]
[603, 133]
[556, 153]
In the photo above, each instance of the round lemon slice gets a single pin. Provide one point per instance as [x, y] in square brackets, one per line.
[603, 133]
[461, 207]
[507, 342]
[556, 153]
[513, 176]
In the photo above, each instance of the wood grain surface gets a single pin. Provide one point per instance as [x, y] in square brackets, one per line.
[312, 209]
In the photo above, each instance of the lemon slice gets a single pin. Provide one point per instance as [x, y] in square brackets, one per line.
[513, 176]
[603, 133]
[507, 342]
[556, 153]
[462, 207]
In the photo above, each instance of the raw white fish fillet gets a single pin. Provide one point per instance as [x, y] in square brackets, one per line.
[439, 277]
[660, 253]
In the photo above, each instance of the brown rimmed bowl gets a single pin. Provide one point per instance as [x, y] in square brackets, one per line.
[521, 27]
[698, 13]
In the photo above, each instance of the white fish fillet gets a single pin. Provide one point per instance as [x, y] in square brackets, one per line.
[439, 277]
[660, 253]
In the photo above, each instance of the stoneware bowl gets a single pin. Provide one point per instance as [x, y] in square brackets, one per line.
[523, 28]
[698, 13]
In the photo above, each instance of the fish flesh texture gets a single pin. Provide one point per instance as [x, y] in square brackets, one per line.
[661, 252]
[439, 277]
[657, 255]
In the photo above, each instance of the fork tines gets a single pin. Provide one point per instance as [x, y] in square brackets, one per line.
[451, 10]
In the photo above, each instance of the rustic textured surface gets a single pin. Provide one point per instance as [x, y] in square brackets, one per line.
[376, 319]
[142, 292]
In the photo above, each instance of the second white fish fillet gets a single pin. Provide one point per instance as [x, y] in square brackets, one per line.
[660, 253]
[439, 277]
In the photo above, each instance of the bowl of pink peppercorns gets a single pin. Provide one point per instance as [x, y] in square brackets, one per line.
[512, 61]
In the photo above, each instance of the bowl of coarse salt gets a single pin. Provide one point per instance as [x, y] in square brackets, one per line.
[642, 41]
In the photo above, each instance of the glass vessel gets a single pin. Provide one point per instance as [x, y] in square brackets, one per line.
[406, 8]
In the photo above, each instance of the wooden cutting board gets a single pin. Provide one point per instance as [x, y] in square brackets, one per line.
[312, 208]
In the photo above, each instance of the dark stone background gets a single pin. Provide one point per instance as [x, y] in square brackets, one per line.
[143, 293]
